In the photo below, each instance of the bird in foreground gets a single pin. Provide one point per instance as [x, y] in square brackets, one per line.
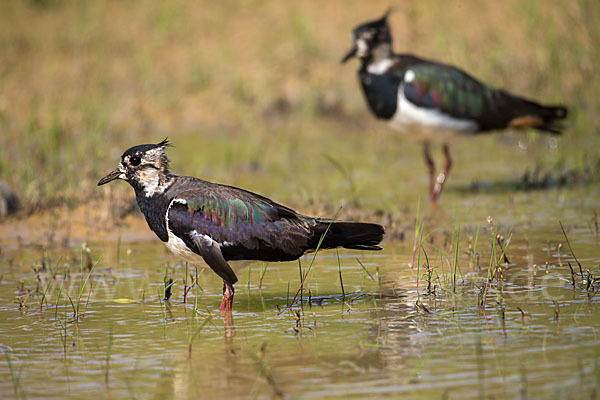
[204, 221]
[425, 98]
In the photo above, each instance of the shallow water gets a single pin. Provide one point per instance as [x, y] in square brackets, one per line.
[386, 335]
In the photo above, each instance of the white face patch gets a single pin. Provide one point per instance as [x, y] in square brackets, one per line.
[150, 179]
[121, 169]
[362, 48]
[380, 67]
[154, 154]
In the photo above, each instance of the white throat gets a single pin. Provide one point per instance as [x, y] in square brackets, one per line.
[152, 183]
[380, 66]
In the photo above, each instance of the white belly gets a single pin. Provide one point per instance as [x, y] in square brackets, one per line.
[427, 124]
[178, 247]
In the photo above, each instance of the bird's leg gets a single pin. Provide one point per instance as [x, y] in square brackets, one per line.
[225, 311]
[441, 179]
[227, 302]
[430, 167]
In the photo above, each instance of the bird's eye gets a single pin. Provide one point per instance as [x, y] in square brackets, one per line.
[135, 161]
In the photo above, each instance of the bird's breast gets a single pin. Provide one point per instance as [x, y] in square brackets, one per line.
[381, 93]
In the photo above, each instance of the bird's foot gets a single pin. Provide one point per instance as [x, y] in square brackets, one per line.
[436, 186]
[227, 301]
[225, 309]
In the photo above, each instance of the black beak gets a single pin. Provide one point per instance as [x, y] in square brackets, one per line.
[110, 177]
[350, 53]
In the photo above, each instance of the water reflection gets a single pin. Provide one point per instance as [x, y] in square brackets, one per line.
[385, 333]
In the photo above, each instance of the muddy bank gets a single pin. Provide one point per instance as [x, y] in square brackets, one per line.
[69, 226]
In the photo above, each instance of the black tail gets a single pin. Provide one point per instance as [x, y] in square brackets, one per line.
[537, 116]
[350, 235]
[551, 115]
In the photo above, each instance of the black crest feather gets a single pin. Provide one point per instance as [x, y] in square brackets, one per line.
[387, 13]
[165, 143]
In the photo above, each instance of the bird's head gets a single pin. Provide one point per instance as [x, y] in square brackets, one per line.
[145, 167]
[370, 36]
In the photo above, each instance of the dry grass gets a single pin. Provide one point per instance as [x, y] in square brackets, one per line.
[252, 94]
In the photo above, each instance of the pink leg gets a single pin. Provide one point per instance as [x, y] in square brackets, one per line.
[441, 179]
[430, 166]
[227, 302]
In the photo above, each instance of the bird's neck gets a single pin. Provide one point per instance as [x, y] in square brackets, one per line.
[379, 53]
[152, 183]
[153, 199]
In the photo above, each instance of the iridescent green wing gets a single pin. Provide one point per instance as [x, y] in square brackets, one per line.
[244, 224]
[447, 90]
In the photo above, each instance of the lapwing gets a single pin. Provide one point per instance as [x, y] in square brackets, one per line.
[426, 99]
[201, 221]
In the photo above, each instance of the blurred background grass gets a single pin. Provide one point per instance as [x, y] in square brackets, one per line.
[251, 93]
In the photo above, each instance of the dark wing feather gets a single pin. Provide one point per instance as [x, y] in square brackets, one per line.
[448, 90]
[212, 255]
[246, 225]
